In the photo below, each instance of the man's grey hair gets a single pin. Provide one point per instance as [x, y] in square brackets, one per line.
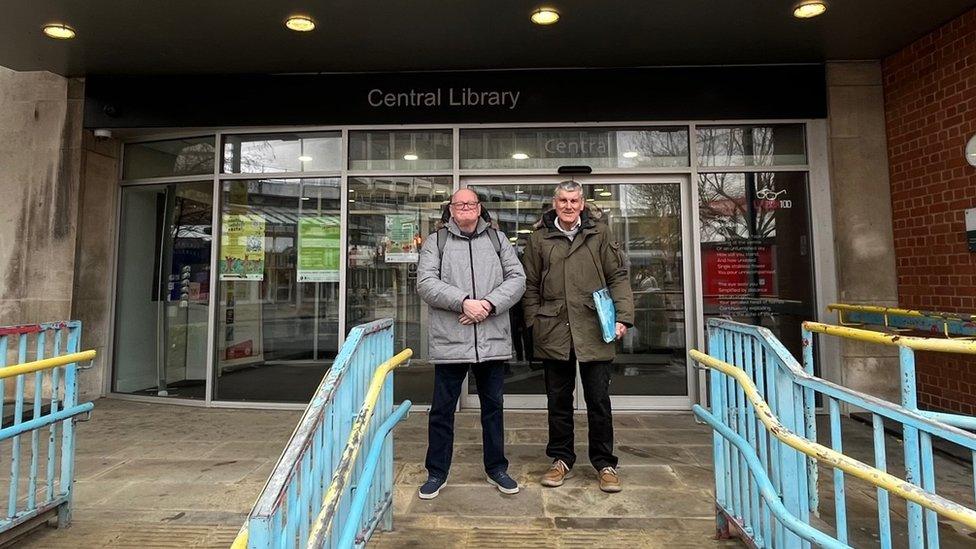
[568, 186]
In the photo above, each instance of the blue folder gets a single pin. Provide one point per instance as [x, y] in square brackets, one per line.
[607, 314]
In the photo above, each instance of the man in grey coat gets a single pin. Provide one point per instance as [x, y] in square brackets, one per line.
[470, 276]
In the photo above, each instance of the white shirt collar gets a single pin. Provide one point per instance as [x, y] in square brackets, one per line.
[579, 221]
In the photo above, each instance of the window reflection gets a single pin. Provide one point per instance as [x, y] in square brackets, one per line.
[774, 145]
[282, 152]
[389, 217]
[527, 148]
[401, 150]
[175, 157]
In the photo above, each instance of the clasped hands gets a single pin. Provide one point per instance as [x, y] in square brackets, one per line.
[475, 310]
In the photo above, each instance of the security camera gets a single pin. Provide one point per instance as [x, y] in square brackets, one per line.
[103, 134]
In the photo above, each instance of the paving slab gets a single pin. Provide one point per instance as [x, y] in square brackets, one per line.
[151, 475]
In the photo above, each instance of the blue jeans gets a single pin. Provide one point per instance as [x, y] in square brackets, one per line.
[490, 377]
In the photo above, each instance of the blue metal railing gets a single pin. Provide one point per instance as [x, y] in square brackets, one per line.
[354, 531]
[783, 436]
[958, 329]
[316, 455]
[44, 370]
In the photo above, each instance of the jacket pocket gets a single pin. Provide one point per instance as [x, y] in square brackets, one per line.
[550, 309]
[547, 317]
[446, 333]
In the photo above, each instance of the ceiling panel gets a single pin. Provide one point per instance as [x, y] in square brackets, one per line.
[247, 36]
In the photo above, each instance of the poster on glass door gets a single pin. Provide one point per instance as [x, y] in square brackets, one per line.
[318, 249]
[401, 240]
[242, 247]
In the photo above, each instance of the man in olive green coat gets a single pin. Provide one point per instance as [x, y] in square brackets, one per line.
[570, 255]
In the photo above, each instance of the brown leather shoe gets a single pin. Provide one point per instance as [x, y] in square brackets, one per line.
[557, 474]
[609, 481]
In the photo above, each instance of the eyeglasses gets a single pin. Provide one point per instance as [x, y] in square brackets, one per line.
[464, 205]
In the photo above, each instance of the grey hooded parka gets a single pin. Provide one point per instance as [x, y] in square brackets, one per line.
[469, 269]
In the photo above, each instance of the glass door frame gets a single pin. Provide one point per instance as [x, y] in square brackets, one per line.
[691, 291]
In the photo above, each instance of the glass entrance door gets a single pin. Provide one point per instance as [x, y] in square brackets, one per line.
[647, 216]
[163, 290]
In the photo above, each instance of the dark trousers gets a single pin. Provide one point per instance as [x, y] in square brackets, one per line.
[490, 377]
[560, 383]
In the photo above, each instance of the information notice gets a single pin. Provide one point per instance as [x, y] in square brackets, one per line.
[318, 249]
[741, 274]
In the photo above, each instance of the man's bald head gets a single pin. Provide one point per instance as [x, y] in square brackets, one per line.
[464, 195]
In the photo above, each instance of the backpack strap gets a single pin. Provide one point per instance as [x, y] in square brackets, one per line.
[441, 240]
[493, 235]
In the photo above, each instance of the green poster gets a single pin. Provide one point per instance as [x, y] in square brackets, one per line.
[402, 238]
[242, 247]
[318, 249]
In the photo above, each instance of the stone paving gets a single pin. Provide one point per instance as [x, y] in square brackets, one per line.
[158, 475]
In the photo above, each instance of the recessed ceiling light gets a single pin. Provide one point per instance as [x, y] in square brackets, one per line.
[300, 23]
[519, 191]
[630, 154]
[606, 193]
[440, 191]
[58, 31]
[352, 200]
[808, 9]
[524, 231]
[306, 198]
[304, 158]
[520, 156]
[599, 190]
[410, 157]
[545, 16]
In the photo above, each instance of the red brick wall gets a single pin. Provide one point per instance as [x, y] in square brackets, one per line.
[930, 107]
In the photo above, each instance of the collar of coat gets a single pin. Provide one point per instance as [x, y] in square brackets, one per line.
[589, 217]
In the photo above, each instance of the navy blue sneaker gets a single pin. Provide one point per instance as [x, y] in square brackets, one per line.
[505, 483]
[432, 487]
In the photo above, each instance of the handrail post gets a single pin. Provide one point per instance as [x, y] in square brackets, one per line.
[810, 416]
[68, 428]
[909, 399]
[788, 457]
[716, 346]
[387, 485]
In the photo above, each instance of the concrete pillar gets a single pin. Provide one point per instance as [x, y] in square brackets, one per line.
[40, 155]
[863, 233]
[92, 303]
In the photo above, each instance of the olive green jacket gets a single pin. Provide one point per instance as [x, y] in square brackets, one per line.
[561, 277]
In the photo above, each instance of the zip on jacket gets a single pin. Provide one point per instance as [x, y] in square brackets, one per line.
[474, 292]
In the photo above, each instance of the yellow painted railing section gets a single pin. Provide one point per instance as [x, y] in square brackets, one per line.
[843, 307]
[916, 343]
[45, 364]
[881, 479]
[323, 523]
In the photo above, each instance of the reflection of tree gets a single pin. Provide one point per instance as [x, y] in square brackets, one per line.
[736, 145]
[670, 145]
[196, 158]
[728, 209]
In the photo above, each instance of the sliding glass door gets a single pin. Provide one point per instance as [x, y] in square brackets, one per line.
[647, 216]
